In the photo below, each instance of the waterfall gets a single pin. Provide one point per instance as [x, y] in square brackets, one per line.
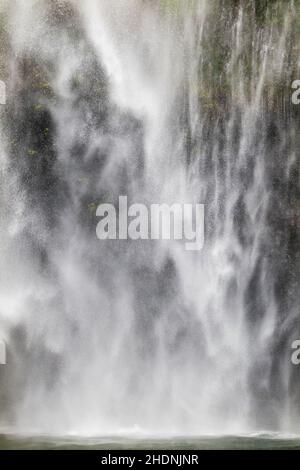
[164, 101]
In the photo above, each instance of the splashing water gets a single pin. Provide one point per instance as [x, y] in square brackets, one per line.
[163, 101]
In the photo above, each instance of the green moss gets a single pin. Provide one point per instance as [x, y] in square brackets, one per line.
[223, 68]
[44, 86]
[38, 107]
[175, 7]
[32, 153]
[76, 81]
[92, 207]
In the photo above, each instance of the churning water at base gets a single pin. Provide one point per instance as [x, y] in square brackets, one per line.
[249, 442]
[163, 101]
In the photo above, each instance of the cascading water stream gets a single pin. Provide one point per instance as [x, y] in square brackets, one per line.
[162, 101]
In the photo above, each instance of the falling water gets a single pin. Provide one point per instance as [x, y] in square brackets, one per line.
[163, 101]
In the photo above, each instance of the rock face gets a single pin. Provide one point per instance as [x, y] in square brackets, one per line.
[161, 102]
